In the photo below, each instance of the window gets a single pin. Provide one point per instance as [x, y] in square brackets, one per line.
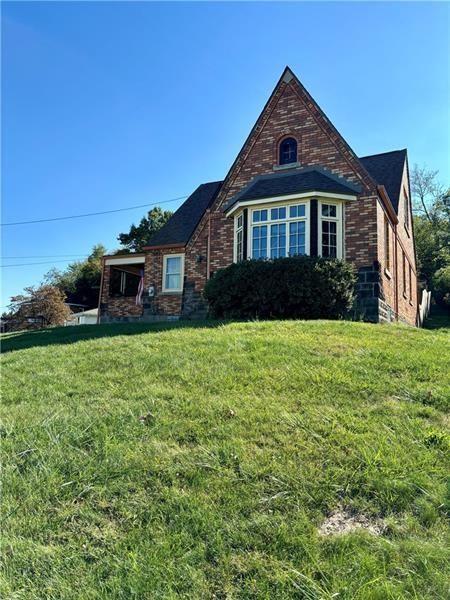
[387, 249]
[329, 232]
[410, 283]
[404, 273]
[406, 208]
[239, 238]
[288, 151]
[124, 282]
[282, 234]
[173, 272]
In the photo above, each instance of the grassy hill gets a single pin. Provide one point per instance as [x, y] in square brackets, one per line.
[203, 461]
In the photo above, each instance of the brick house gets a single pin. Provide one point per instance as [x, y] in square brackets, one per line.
[296, 187]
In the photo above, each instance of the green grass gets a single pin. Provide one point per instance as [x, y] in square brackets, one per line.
[253, 434]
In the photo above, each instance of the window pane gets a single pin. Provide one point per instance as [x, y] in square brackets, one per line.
[259, 242]
[239, 221]
[329, 210]
[329, 239]
[278, 240]
[131, 284]
[288, 151]
[173, 282]
[297, 238]
[263, 215]
[297, 211]
[256, 215]
[173, 265]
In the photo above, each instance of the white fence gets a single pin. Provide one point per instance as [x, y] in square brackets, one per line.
[424, 306]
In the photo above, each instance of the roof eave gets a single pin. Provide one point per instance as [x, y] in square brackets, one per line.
[288, 197]
[387, 203]
[164, 246]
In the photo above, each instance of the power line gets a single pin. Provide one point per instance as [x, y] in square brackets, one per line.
[104, 212]
[48, 262]
[46, 256]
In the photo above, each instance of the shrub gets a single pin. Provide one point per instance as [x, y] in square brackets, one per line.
[297, 287]
[441, 286]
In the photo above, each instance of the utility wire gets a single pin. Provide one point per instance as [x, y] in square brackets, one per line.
[48, 262]
[45, 256]
[104, 212]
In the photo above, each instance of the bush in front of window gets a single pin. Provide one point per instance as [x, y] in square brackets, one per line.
[300, 287]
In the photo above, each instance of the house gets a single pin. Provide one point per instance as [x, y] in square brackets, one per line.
[296, 187]
[86, 317]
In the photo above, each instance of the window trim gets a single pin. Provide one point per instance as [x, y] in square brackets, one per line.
[338, 219]
[287, 220]
[166, 290]
[235, 240]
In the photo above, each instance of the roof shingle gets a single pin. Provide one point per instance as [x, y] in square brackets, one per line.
[387, 169]
[183, 222]
[294, 182]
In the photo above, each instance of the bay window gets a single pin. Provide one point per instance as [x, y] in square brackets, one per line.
[284, 229]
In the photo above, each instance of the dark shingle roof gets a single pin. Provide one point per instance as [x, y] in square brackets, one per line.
[294, 182]
[387, 170]
[182, 224]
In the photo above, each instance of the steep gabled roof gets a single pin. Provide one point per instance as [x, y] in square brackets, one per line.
[310, 179]
[183, 222]
[387, 169]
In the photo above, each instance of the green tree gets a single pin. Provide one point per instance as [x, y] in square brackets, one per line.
[432, 228]
[138, 236]
[80, 281]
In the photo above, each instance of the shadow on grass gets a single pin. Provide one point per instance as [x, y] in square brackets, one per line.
[439, 318]
[70, 335]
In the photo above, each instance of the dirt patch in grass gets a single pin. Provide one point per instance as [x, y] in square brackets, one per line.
[346, 521]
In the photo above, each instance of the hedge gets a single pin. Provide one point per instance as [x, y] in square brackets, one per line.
[298, 287]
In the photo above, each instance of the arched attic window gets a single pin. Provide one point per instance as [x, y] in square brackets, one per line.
[288, 151]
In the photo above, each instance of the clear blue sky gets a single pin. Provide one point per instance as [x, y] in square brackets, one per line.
[107, 105]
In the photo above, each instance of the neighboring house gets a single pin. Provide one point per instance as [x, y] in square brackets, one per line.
[87, 317]
[296, 187]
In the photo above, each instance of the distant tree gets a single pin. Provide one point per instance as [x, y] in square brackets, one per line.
[80, 281]
[37, 307]
[431, 202]
[138, 236]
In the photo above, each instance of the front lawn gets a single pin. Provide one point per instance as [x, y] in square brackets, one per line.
[200, 461]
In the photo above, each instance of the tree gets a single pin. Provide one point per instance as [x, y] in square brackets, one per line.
[138, 236]
[37, 307]
[80, 281]
[432, 229]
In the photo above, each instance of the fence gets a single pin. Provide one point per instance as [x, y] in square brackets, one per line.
[424, 306]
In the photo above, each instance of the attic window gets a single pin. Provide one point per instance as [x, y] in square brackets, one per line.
[406, 208]
[288, 151]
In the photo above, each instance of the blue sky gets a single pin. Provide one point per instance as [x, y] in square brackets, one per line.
[107, 105]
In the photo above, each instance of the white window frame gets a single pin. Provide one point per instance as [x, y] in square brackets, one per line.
[287, 220]
[236, 231]
[339, 226]
[164, 273]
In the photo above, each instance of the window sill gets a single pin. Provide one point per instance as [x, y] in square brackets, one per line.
[387, 273]
[171, 293]
[411, 303]
[407, 230]
[405, 296]
[284, 167]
